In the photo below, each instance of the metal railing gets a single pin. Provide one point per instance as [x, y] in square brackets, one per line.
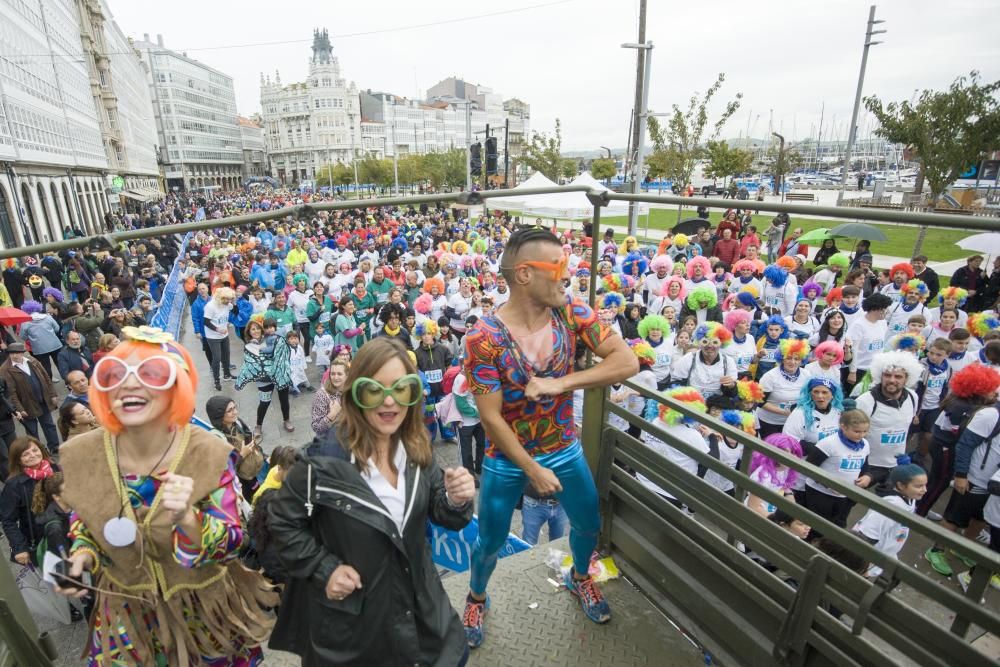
[742, 613]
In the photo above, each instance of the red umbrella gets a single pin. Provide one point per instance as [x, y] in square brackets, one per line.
[13, 316]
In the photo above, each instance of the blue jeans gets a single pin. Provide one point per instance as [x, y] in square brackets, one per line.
[536, 513]
[502, 486]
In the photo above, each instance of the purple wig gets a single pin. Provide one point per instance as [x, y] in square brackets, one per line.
[31, 306]
[54, 292]
[769, 466]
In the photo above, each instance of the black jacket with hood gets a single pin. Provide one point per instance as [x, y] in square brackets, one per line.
[325, 515]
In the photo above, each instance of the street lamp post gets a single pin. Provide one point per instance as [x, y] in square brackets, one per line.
[853, 130]
[780, 166]
[640, 152]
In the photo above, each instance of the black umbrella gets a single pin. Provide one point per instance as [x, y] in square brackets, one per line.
[858, 230]
[691, 226]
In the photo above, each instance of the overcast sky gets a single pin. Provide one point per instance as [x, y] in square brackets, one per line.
[564, 58]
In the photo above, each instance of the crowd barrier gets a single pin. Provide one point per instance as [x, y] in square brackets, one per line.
[170, 310]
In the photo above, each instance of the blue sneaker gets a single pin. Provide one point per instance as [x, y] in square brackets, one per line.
[473, 619]
[591, 599]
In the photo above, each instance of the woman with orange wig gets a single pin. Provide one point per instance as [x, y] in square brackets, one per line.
[155, 520]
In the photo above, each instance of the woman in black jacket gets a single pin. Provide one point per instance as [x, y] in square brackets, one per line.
[29, 464]
[349, 524]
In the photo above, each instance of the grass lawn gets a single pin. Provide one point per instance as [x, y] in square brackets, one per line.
[939, 244]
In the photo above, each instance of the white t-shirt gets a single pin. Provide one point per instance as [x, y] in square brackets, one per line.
[889, 534]
[706, 378]
[814, 370]
[822, 426]
[986, 458]
[664, 353]
[461, 305]
[841, 461]
[299, 302]
[868, 339]
[685, 434]
[889, 426]
[801, 330]
[992, 510]
[898, 317]
[742, 354]
[783, 298]
[728, 456]
[782, 391]
[776, 484]
[955, 362]
[218, 315]
[933, 387]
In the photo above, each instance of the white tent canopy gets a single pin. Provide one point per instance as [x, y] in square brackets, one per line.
[515, 202]
[570, 205]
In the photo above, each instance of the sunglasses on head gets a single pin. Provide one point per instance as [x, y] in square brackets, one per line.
[369, 394]
[159, 372]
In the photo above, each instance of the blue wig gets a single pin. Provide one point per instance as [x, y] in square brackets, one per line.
[400, 242]
[777, 321]
[806, 400]
[775, 275]
[635, 258]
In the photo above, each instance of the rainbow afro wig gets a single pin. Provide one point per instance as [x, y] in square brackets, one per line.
[792, 348]
[689, 396]
[739, 419]
[915, 286]
[611, 301]
[643, 351]
[980, 324]
[749, 390]
[612, 283]
[907, 342]
[428, 326]
[704, 296]
[713, 331]
[651, 322]
[956, 293]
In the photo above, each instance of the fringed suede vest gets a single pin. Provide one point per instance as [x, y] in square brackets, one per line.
[225, 598]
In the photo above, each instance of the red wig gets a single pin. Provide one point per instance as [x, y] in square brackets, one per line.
[904, 267]
[182, 394]
[974, 380]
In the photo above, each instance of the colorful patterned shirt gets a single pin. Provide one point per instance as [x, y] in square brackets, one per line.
[494, 362]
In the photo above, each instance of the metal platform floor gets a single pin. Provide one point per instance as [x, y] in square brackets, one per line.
[556, 632]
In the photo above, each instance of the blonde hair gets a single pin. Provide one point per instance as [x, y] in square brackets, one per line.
[223, 293]
[354, 432]
[854, 418]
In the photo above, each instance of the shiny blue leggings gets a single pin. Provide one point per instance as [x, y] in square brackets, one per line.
[502, 486]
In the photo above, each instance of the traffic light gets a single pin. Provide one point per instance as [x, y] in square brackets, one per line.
[476, 159]
[491, 156]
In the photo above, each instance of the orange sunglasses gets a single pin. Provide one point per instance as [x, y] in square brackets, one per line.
[556, 270]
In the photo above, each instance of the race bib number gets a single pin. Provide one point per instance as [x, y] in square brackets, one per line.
[825, 433]
[897, 327]
[787, 405]
[875, 345]
[663, 359]
[767, 354]
[434, 376]
[771, 300]
[743, 363]
[325, 316]
[935, 383]
[893, 438]
[382, 297]
[851, 465]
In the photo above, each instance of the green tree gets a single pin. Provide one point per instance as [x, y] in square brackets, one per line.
[412, 169]
[724, 161]
[543, 153]
[445, 169]
[677, 147]
[779, 162]
[570, 168]
[603, 169]
[947, 130]
[341, 175]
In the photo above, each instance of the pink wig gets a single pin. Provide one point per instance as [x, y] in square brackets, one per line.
[734, 317]
[744, 264]
[700, 260]
[422, 304]
[665, 290]
[769, 467]
[830, 346]
[662, 261]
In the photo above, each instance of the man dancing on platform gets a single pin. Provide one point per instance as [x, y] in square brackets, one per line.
[519, 365]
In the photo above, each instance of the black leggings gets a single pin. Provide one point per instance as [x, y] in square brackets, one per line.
[263, 405]
[829, 507]
[303, 328]
[46, 359]
[938, 477]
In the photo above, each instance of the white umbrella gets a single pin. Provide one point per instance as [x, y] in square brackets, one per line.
[986, 244]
